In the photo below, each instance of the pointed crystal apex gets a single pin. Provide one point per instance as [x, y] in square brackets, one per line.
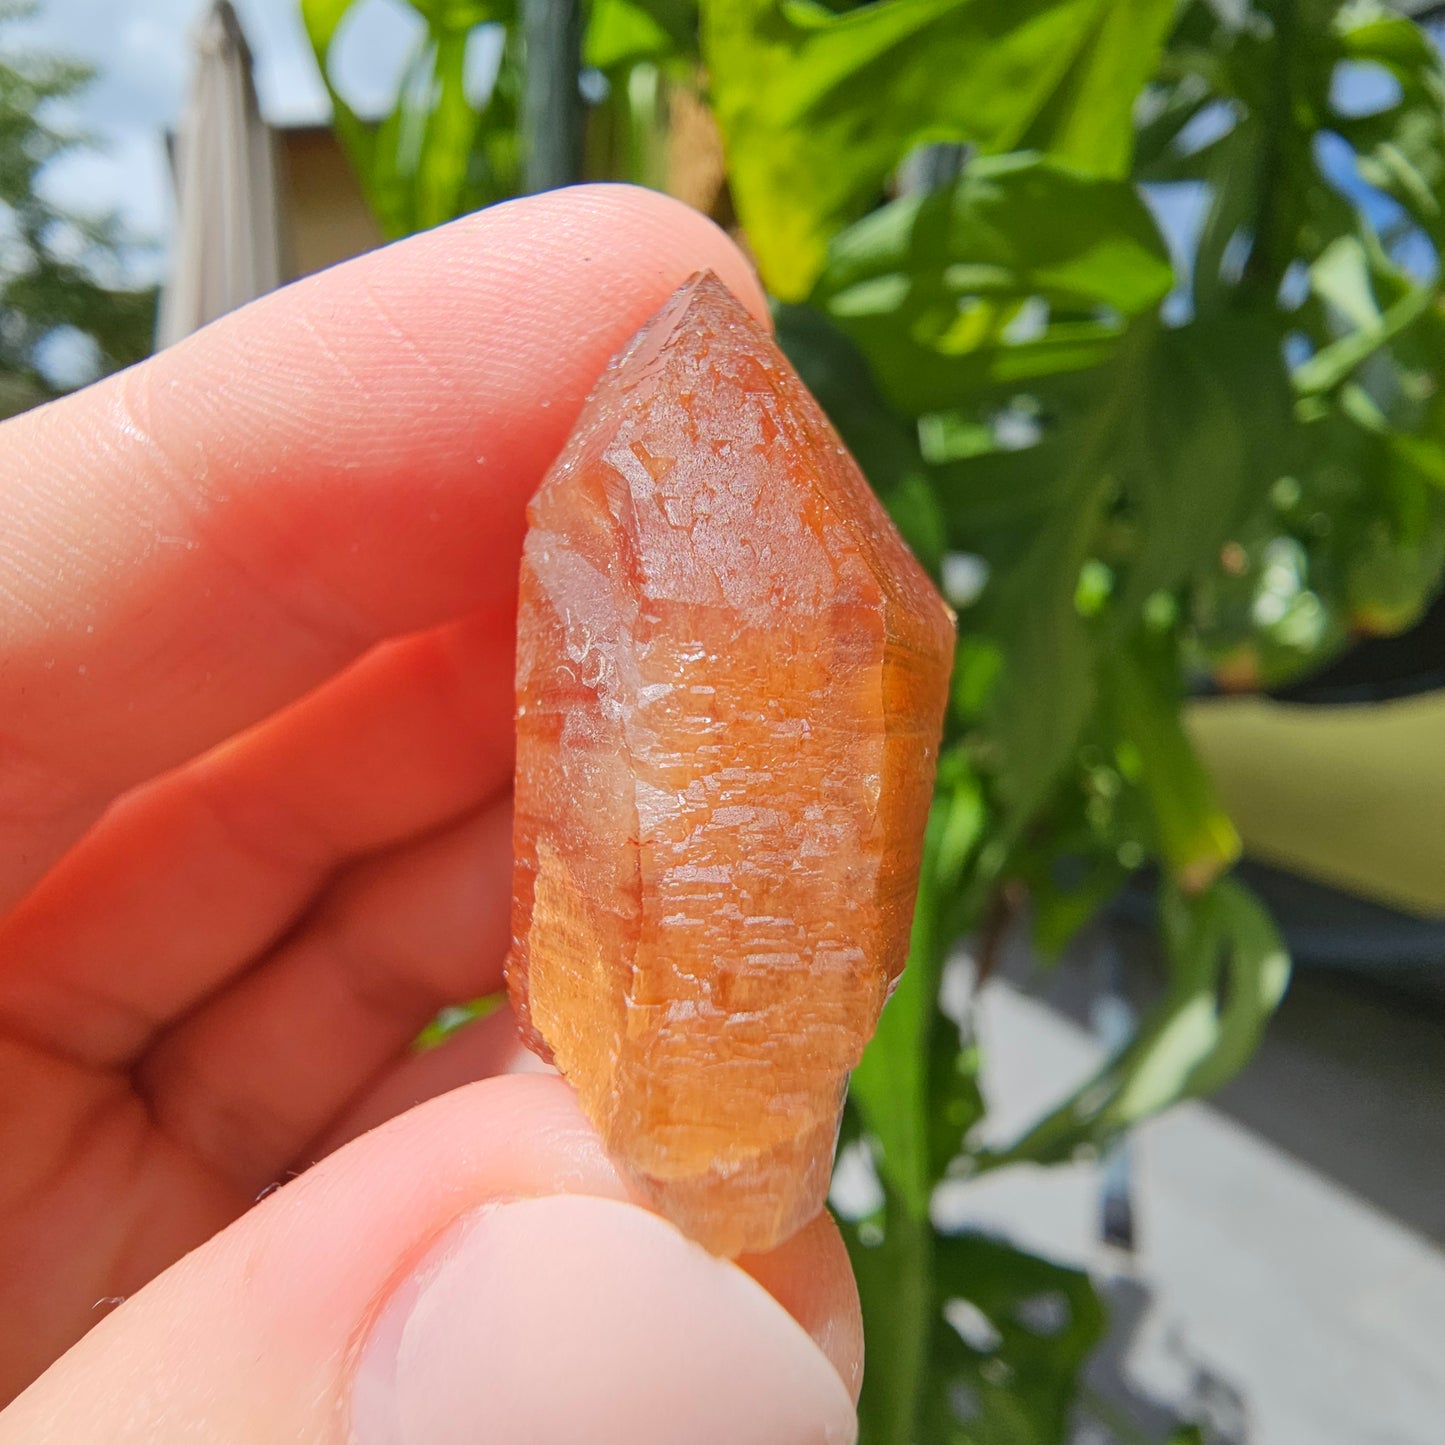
[731, 680]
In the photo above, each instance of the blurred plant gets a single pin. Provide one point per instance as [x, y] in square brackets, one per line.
[1137, 463]
[61, 274]
[441, 150]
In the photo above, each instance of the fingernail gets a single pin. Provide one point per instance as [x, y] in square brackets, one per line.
[548, 1321]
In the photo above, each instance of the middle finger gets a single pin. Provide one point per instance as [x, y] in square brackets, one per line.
[262, 1069]
[187, 881]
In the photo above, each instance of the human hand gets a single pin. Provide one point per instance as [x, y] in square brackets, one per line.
[256, 612]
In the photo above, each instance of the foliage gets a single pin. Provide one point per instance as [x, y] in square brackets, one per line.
[448, 145]
[821, 108]
[436, 154]
[1161, 456]
[1006, 1335]
[57, 269]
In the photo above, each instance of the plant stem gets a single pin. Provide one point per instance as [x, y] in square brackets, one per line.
[895, 1281]
[552, 103]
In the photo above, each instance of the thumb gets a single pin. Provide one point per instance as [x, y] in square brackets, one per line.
[470, 1271]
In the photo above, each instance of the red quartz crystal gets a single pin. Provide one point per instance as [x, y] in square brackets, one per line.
[731, 679]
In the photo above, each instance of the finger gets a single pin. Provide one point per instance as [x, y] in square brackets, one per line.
[259, 1071]
[811, 1278]
[415, 1288]
[188, 880]
[189, 545]
[808, 1278]
[479, 1050]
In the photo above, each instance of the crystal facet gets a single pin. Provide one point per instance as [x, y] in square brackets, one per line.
[731, 678]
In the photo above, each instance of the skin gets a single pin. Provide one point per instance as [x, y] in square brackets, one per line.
[256, 610]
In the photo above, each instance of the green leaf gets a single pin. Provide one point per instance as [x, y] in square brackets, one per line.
[433, 156]
[457, 1016]
[1232, 926]
[323, 19]
[884, 443]
[447, 137]
[1402, 149]
[1206, 434]
[1002, 490]
[1227, 973]
[932, 287]
[968, 1338]
[892, 1258]
[1334, 364]
[1188, 1435]
[891, 1086]
[1426, 455]
[1009, 1372]
[806, 158]
[1058, 910]
[623, 33]
[443, 16]
[1045, 688]
[1368, 31]
[395, 149]
[1340, 276]
[1012, 225]
[1141, 686]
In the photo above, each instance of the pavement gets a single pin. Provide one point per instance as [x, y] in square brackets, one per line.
[1286, 1284]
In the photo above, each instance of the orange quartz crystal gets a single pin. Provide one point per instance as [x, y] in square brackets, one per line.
[731, 678]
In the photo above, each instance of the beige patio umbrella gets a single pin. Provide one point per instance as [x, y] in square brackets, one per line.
[228, 205]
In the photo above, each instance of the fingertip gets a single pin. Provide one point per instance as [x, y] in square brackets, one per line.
[811, 1277]
[484, 1049]
[469, 1271]
[676, 231]
[567, 1318]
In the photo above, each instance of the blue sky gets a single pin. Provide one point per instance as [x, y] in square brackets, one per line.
[140, 49]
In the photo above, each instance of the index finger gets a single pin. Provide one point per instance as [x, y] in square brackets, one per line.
[193, 543]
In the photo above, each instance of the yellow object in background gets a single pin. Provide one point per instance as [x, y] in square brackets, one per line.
[1352, 796]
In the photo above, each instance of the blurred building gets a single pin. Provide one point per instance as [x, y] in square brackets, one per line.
[324, 217]
[256, 205]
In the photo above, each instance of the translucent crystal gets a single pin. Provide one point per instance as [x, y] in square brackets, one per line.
[731, 679]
